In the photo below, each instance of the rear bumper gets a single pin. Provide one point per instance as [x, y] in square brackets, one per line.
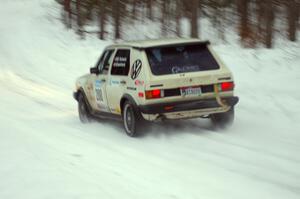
[186, 106]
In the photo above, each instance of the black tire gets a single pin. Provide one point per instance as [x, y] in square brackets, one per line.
[223, 120]
[131, 119]
[83, 111]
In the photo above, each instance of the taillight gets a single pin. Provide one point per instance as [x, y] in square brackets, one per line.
[154, 94]
[226, 86]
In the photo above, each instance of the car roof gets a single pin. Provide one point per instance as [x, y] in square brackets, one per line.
[143, 44]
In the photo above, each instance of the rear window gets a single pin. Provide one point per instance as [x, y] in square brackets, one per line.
[180, 59]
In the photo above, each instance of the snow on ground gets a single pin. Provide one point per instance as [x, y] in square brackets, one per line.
[45, 152]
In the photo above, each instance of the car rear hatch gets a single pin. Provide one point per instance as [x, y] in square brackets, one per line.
[184, 72]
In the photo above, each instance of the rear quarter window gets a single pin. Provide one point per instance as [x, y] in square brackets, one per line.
[181, 59]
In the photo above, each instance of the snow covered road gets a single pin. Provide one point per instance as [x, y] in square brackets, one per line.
[45, 152]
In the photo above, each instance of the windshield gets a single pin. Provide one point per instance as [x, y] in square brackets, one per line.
[180, 59]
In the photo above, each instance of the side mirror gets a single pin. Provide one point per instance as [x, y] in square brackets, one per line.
[94, 70]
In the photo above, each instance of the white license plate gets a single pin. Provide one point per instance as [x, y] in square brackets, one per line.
[191, 91]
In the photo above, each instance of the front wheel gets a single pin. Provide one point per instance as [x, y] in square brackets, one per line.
[84, 114]
[130, 119]
[223, 120]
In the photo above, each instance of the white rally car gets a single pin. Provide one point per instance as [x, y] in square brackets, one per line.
[157, 80]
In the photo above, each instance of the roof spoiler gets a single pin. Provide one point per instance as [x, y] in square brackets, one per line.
[205, 43]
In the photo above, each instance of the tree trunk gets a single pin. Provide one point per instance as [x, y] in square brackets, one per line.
[194, 18]
[221, 23]
[79, 19]
[116, 18]
[102, 18]
[243, 13]
[133, 12]
[68, 12]
[298, 14]
[177, 17]
[259, 20]
[149, 9]
[292, 19]
[163, 18]
[269, 11]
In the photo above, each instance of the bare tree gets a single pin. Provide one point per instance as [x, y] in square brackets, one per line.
[134, 9]
[269, 10]
[116, 17]
[163, 18]
[102, 7]
[298, 14]
[292, 12]
[79, 18]
[68, 13]
[194, 6]
[259, 20]
[149, 9]
[255, 18]
[218, 15]
[178, 14]
[242, 6]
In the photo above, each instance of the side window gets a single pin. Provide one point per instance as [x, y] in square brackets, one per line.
[106, 62]
[100, 61]
[103, 64]
[121, 63]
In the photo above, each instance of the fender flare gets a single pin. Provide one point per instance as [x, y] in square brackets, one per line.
[127, 97]
[76, 94]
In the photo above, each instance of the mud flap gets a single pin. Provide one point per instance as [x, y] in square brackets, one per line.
[218, 98]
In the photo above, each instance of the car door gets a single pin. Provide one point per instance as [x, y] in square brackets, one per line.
[117, 80]
[98, 82]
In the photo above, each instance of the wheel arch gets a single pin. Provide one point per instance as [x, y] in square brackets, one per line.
[127, 97]
[81, 91]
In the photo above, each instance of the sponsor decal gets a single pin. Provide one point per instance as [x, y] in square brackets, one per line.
[114, 82]
[98, 90]
[98, 83]
[136, 69]
[139, 82]
[131, 88]
[118, 110]
[120, 62]
[184, 69]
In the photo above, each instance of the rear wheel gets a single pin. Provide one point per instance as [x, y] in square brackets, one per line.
[223, 120]
[130, 119]
[84, 114]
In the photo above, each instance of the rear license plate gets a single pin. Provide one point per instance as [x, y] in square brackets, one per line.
[191, 91]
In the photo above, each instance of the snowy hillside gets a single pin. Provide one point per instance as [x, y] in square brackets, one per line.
[45, 152]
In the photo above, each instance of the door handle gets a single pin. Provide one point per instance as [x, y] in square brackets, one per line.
[103, 80]
[123, 82]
